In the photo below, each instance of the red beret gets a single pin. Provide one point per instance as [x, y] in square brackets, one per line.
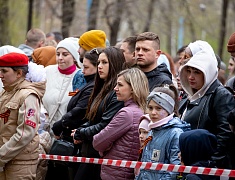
[231, 43]
[13, 59]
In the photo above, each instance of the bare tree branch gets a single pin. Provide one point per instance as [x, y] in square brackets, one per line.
[53, 9]
[223, 26]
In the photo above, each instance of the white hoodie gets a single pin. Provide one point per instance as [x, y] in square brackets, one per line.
[204, 62]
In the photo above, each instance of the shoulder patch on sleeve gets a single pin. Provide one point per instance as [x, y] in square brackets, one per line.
[30, 123]
[30, 113]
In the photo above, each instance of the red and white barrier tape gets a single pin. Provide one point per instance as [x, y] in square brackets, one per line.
[143, 165]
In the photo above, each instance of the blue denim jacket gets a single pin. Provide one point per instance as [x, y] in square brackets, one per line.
[163, 148]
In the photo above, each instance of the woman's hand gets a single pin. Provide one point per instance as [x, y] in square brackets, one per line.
[57, 137]
[74, 140]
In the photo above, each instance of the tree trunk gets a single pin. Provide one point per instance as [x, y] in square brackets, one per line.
[67, 16]
[30, 14]
[169, 27]
[4, 25]
[222, 27]
[129, 20]
[92, 18]
[150, 15]
[114, 20]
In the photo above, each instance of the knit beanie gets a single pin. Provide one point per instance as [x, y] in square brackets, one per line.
[71, 44]
[44, 55]
[92, 39]
[197, 145]
[144, 122]
[231, 43]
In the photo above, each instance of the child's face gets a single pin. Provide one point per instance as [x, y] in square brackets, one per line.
[142, 136]
[156, 112]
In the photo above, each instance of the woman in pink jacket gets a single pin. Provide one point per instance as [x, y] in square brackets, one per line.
[119, 139]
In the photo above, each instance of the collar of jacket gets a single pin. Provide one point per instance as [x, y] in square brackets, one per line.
[14, 85]
[211, 90]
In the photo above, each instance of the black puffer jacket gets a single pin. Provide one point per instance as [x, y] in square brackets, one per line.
[101, 120]
[158, 76]
[76, 111]
[210, 112]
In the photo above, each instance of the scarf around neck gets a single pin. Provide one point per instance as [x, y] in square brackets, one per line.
[161, 122]
[68, 70]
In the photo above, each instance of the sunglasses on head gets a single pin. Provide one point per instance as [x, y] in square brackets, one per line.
[95, 50]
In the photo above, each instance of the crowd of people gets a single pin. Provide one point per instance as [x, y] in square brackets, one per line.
[125, 102]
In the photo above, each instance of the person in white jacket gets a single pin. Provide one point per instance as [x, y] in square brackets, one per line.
[59, 80]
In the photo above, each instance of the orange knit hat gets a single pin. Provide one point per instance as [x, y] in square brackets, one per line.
[44, 55]
[231, 43]
[92, 39]
[13, 59]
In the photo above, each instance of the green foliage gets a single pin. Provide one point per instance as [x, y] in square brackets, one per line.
[18, 21]
[18, 15]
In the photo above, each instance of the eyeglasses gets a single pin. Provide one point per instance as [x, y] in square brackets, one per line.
[95, 50]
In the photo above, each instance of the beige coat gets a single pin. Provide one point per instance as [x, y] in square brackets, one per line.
[19, 140]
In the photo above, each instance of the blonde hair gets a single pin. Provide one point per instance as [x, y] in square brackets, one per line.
[139, 83]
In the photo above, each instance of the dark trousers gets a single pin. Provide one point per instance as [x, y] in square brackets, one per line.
[88, 172]
[61, 172]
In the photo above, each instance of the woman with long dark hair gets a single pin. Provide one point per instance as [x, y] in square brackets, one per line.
[102, 106]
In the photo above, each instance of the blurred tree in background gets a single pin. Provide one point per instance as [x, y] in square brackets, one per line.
[92, 11]
[67, 16]
[4, 22]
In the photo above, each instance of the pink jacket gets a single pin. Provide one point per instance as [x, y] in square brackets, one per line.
[119, 140]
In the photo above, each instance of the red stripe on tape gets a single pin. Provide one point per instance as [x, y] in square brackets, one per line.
[159, 167]
[83, 159]
[170, 167]
[128, 164]
[193, 170]
[181, 169]
[219, 172]
[91, 160]
[109, 162]
[138, 164]
[100, 161]
[66, 158]
[119, 162]
[206, 171]
[148, 165]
